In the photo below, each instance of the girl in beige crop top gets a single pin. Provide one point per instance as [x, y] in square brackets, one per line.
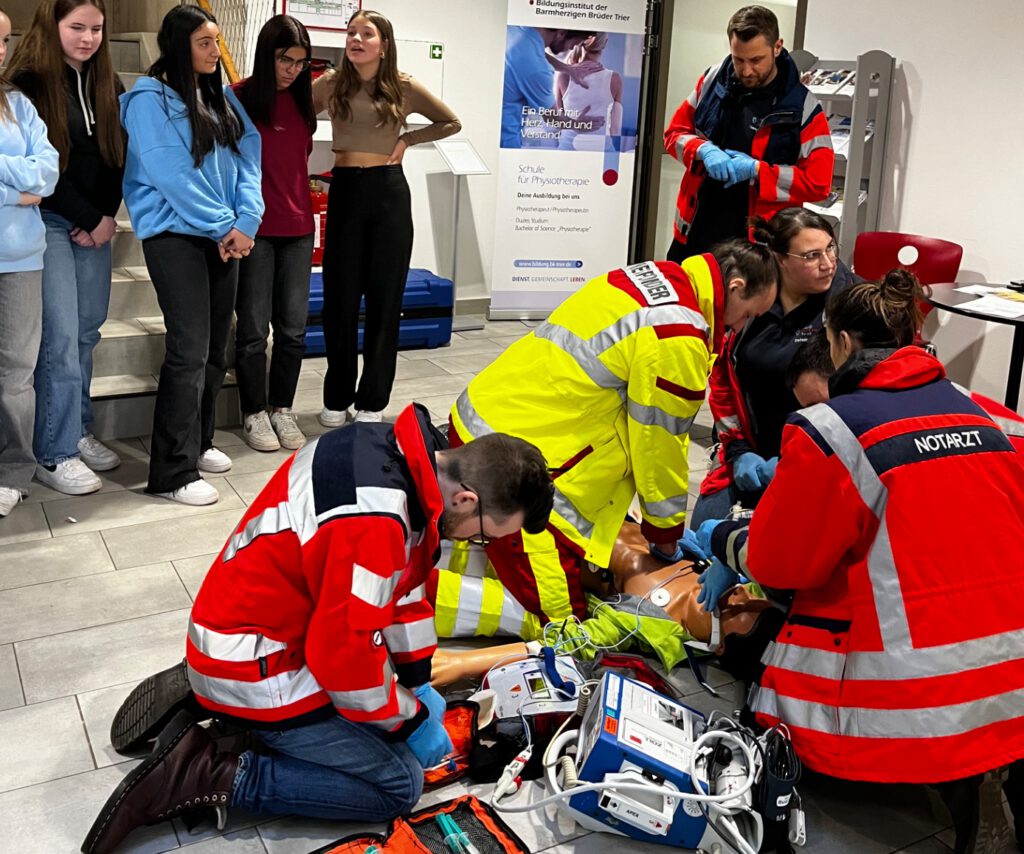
[369, 100]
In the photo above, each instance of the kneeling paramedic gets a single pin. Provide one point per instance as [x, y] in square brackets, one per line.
[902, 658]
[607, 388]
[313, 631]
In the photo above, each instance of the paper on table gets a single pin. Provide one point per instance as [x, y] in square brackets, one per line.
[979, 290]
[995, 306]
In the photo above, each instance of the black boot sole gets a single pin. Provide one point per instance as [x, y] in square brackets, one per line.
[176, 730]
[149, 707]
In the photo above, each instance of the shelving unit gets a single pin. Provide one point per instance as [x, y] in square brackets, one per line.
[858, 91]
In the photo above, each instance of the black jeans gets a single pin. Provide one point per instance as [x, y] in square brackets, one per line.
[366, 253]
[196, 291]
[273, 287]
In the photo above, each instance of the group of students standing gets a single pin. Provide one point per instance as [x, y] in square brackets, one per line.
[221, 234]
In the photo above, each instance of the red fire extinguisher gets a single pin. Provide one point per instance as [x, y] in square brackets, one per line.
[318, 196]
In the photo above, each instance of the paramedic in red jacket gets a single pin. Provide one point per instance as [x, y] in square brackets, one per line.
[902, 659]
[752, 138]
[312, 628]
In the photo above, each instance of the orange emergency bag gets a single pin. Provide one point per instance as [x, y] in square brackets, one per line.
[420, 833]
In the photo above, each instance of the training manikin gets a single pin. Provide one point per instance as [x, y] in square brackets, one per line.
[669, 615]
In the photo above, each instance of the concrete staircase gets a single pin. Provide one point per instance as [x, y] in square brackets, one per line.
[126, 362]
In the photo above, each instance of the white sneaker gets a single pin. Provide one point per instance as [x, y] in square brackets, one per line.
[258, 433]
[369, 417]
[72, 477]
[214, 461]
[334, 417]
[8, 498]
[197, 494]
[96, 455]
[287, 429]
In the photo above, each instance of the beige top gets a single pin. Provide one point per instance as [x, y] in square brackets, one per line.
[362, 132]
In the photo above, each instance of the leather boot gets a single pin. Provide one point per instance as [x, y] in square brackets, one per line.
[184, 773]
[149, 708]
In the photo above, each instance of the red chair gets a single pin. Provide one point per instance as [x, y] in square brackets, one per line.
[877, 252]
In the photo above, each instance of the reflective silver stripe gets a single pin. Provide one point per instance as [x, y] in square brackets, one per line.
[682, 225]
[471, 603]
[373, 589]
[684, 140]
[367, 699]
[243, 646]
[948, 659]
[273, 520]
[728, 422]
[738, 556]
[407, 706]
[582, 353]
[300, 492]
[655, 416]
[417, 594]
[784, 184]
[470, 418]
[927, 723]
[810, 105]
[513, 614]
[567, 510]
[410, 637]
[1008, 426]
[814, 143]
[372, 499]
[666, 507]
[273, 692]
[885, 581]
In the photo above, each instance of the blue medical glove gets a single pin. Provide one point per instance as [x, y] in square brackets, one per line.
[714, 582]
[766, 471]
[717, 162]
[705, 532]
[746, 472]
[434, 702]
[744, 166]
[668, 557]
[691, 543]
[430, 743]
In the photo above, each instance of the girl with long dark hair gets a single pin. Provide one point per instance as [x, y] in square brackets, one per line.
[749, 396]
[63, 64]
[192, 187]
[273, 282]
[28, 172]
[369, 215]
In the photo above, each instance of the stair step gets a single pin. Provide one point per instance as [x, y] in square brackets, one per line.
[135, 385]
[134, 345]
[131, 298]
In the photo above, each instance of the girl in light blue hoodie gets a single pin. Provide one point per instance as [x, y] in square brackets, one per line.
[192, 186]
[28, 172]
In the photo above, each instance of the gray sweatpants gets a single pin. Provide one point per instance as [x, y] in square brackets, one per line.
[21, 325]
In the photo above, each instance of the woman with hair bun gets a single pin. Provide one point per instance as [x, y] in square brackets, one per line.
[901, 658]
[749, 396]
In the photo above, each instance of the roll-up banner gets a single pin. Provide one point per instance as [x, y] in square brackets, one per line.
[570, 108]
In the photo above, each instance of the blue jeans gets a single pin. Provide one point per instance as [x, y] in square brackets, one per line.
[76, 296]
[335, 769]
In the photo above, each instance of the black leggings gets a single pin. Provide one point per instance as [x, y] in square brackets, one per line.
[366, 254]
[196, 291]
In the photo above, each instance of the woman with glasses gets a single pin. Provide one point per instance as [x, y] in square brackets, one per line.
[749, 396]
[273, 282]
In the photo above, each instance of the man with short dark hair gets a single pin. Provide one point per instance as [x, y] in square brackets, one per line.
[313, 630]
[753, 139]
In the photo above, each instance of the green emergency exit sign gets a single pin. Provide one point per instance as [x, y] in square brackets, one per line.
[437, 51]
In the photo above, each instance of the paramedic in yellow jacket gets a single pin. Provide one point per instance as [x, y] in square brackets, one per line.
[607, 388]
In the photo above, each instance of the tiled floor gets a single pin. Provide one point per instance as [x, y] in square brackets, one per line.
[94, 595]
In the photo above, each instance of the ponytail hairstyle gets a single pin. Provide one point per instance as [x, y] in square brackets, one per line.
[755, 263]
[779, 231]
[39, 53]
[259, 92]
[883, 314]
[386, 93]
[6, 113]
[212, 120]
